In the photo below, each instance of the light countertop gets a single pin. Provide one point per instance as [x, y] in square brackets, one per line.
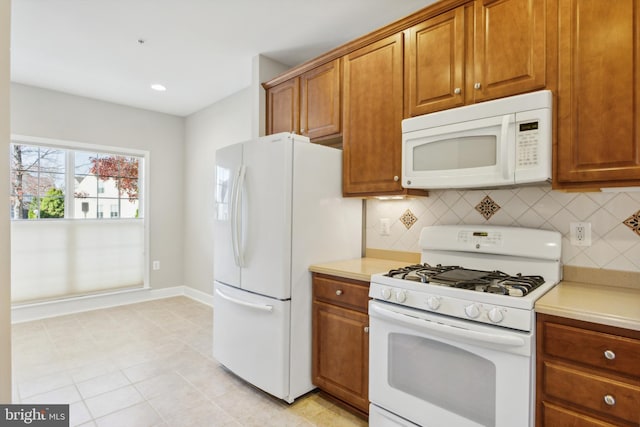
[358, 268]
[614, 301]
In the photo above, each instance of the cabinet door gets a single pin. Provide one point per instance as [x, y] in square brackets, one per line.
[320, 101]
[436, 64]
[509, 53]
[373, 100]
[598, 94]
[283, 111]
[341, 354]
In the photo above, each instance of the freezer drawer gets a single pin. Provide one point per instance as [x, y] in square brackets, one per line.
[251, 338]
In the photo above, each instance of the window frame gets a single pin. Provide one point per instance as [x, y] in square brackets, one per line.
[71, 147]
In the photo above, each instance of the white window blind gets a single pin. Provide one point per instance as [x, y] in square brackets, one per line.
[63, 258]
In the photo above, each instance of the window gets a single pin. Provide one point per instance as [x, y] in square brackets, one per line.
[42, 175]
[78, 223]
[37, 182]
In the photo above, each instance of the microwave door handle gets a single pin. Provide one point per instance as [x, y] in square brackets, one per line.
[447, 331]
[505, 161]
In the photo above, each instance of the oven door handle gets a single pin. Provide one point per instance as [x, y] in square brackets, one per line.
[447, 331]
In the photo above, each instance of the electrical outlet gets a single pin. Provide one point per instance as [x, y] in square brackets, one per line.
[384, 226]
[580, 233]
[156, 265]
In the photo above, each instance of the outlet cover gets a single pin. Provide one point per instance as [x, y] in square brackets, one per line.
[156, 265]
[580, 233]
[384, 226]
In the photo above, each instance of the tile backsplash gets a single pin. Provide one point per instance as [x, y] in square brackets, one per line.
[614, 216]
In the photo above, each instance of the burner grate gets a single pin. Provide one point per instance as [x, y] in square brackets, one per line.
[496, 282]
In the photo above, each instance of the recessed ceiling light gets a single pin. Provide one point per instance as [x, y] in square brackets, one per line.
[158, 87]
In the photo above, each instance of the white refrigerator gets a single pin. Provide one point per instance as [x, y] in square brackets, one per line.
[278, 209]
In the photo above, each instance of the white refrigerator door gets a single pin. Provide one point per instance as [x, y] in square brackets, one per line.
[266, 216]
[251, 338]
[225, 256]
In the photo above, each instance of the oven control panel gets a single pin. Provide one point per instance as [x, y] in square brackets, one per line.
[455, 306]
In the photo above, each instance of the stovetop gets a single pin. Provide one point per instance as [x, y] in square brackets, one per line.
[472, 272]
[495, 282]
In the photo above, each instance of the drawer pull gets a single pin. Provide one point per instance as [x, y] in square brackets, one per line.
[339, 292]
[609, 400]
[610, 355]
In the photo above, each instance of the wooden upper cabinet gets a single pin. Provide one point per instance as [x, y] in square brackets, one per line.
[598, 94]
[480, 51]
[320, 101]
[283, 111]
[435, 61]
[373, 106]
[509, 48]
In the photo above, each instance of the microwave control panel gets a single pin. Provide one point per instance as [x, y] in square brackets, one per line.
[528, 142]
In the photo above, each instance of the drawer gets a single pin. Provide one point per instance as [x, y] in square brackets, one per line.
[589, 391]
[597, 349]
[346, 293]
[556, 416]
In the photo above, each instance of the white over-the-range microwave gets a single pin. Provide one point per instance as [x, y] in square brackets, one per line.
[504, 142]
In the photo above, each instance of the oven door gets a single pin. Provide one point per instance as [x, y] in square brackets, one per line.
[437, 371]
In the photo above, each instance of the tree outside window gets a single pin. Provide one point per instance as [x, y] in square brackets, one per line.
[39, 175]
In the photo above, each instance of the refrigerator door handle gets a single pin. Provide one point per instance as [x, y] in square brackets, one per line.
[268, 308]
[237, 213]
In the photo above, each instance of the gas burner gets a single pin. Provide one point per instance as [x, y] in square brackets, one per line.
[496, 282]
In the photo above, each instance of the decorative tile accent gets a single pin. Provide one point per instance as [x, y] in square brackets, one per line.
[487, 207]
[614, 246]
[633, 222]
[408, 219]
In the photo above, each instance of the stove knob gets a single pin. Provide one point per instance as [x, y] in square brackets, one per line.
[495, 315]
[386, 293]
[401, 296]
[472, 310]
[433, 303]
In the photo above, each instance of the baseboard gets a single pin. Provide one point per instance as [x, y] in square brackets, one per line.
[42, 310]
[198, 295]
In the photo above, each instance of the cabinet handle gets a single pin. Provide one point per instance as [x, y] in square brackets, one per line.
[609, 400]
[366, 329]
[339, 292]
[396, 178]
[477, 85]
[457, 91]
[610, 355]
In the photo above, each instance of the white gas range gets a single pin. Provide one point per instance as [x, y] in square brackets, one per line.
[452, 338]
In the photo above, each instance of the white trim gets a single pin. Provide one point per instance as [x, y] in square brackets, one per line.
[198, 295]
[42, 310]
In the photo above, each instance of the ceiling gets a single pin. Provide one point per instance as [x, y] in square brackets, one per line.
[201, 50]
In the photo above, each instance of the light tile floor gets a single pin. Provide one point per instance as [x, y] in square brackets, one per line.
[147, 364]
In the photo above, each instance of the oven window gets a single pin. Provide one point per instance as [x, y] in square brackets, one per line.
[443, 375]
[456, 153]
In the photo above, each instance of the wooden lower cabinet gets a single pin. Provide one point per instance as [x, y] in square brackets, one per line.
[587, 374]
[341, 340]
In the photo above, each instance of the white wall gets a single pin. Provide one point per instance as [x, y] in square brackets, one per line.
[49, 114]
[615, 245]
[5, 252]
[223, 123]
